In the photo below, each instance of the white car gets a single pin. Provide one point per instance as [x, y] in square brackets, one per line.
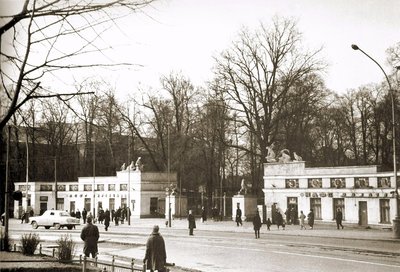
[54, 218]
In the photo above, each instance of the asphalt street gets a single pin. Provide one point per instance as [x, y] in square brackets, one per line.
[221, 246]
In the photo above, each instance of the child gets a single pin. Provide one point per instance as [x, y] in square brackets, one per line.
[268, 223]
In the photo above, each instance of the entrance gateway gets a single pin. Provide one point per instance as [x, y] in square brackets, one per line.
[364, 194]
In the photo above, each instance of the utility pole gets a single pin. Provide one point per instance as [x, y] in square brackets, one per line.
[6, 206]
[55, 182]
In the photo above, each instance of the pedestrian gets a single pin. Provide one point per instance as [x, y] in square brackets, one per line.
[302, 219]
[192, 222]
[23, 214]
[257, 224]
[106, 219]
[293, 216]
[287, 215]
[279, 220]
[339, 218]
[203, 214]
[156, 256]
[238, 215]
[310, 219]
[78, 214]
[84, 213]
[269, 223]
[90, 235]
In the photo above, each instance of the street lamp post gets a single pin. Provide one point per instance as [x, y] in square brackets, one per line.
[396, 220]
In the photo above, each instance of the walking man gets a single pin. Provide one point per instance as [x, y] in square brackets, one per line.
[156, 256]
[238, 216]
[310, 218]
[257, 224]
[339, 218]
[90, 235]
[192, 222]
[106, 219]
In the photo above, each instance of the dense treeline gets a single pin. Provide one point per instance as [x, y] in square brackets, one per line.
[266, 90]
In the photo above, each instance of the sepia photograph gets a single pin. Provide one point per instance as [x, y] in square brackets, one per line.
[199, 135]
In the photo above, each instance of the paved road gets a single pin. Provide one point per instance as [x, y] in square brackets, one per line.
[221, 246]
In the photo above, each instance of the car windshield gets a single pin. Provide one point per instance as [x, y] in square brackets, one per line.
[64, 214]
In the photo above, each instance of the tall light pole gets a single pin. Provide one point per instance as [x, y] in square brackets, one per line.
[396, 220]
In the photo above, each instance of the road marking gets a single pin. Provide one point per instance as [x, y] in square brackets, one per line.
[336, 259]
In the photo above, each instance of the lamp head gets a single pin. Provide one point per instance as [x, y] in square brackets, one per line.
[355, 47]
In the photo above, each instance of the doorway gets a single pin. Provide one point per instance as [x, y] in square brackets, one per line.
[292, 211]
[43, 207]
[362, 213]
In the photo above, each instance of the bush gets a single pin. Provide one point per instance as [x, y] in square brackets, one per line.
[29, 243]
[4, 242]
[66, 248]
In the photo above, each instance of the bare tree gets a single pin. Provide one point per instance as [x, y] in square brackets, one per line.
[256, 75]
[47, 27]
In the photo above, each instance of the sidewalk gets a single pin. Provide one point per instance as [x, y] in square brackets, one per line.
[320, 229]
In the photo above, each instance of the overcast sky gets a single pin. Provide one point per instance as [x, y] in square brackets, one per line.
[184, 35]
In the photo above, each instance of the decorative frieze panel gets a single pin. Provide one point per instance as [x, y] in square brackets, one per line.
[61, 188]
[73, 187]
[111, 187]
[123, 187]
[384, 182]
[87, 187]
[315, 183]
[46, 187]
[100, 187]
[23, 188]
[292, 183]
[361, 183]
[338, 183]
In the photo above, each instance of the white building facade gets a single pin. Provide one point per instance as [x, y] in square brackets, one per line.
[365, 195]
[143, 192]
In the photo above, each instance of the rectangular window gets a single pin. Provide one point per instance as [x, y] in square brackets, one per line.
[123, 202]
[338, 203]
[88, 203]
[385, 210]
[112, 204]
[60, 204]
[153, 205]
[315, 204]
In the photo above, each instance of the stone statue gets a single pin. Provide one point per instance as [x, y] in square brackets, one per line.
[139, 164]
[123, 167]
[297, 157]
[243, 188]
[270, 154]
[284, 157]
[131, 166]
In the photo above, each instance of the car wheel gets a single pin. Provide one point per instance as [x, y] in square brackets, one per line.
[57, 226]
[46, 227]
[34, 225]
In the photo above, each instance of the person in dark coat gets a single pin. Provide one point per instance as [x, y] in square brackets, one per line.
[84, 213]
[339, 218]
[310, 218]
[238, 216]
[78, 214]
[90, 235]
[269, 223]
[192, 222]
[257, 225]
[279, 220]
[156, 256]
[106, 219]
